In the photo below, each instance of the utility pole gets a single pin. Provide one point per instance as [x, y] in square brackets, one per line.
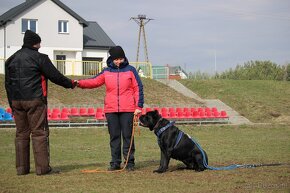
[142, 20]
[215, 62]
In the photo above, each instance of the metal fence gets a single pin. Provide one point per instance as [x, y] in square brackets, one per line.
[89, 68]
[2, 66]
[78, 68]
[160, 72]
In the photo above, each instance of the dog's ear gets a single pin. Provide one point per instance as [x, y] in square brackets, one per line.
[156, 112]
[157, 116]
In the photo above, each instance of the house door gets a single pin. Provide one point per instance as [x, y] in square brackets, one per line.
[60, 63]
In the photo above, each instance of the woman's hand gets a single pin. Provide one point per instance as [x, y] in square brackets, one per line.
[137, 112]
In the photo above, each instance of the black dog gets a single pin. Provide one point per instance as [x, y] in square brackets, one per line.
[173, 143]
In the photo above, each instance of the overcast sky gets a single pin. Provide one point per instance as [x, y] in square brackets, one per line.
[190, 33]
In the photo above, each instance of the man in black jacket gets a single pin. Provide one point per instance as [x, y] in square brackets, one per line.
[26, 75]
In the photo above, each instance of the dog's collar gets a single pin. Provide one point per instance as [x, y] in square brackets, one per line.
[160, 131]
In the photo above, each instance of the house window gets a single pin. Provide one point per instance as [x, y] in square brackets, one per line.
[30, 24]
[62, 26]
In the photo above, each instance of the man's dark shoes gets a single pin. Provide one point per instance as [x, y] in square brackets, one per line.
[19, 173]
[50, 171]
[114, 167]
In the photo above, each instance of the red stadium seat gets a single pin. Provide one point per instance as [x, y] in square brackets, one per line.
[65, 110]
[186, 109]
[164, 109]
[164, 114]
[143, 111]
[188, 115]
[100, 109]
[56, 110]
[91, 111]
[9, 110]
[224, 114]
[48, 116]
[74, 111]
[55, 116]
[213, 109]
[172, 115]
[216, 114]
[199, 109]
[208, 114]
[207, 109]
[100, 116]
[64, 116]
[202, 114]
[179, 109]
[192, 109]
[157, 108]
[180, 115]
[83, 111]
[195, 115]
[148, 109]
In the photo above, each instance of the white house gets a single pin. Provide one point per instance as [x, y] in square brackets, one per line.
[65, 35]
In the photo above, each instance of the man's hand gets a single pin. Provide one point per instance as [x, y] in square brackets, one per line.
[75, 83]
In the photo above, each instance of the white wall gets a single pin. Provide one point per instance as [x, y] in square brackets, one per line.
[1, 42]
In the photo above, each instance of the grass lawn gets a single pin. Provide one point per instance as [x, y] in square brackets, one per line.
[58, 96]
[88, 148]
[258, 100]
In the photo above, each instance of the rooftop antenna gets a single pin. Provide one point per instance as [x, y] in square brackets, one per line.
[142, 20]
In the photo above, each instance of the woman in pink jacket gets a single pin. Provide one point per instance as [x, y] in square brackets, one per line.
[124, 98]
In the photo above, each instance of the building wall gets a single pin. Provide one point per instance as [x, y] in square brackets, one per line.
[1, 43]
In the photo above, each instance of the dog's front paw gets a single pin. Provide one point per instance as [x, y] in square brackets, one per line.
[159, 170]
[200, 169]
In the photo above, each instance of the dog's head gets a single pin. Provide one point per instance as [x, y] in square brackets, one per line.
[150, 119]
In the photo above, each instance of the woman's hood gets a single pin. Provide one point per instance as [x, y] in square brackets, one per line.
[111, 64]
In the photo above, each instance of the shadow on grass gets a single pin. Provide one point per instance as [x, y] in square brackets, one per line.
[140, 165]
[103, 166]
[71, 167]
[147, 164]
[154, 164]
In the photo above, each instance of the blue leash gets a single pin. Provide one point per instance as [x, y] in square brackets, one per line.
[230, 167]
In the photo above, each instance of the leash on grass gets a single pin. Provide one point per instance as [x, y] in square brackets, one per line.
[135, 124]
[231, 167]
